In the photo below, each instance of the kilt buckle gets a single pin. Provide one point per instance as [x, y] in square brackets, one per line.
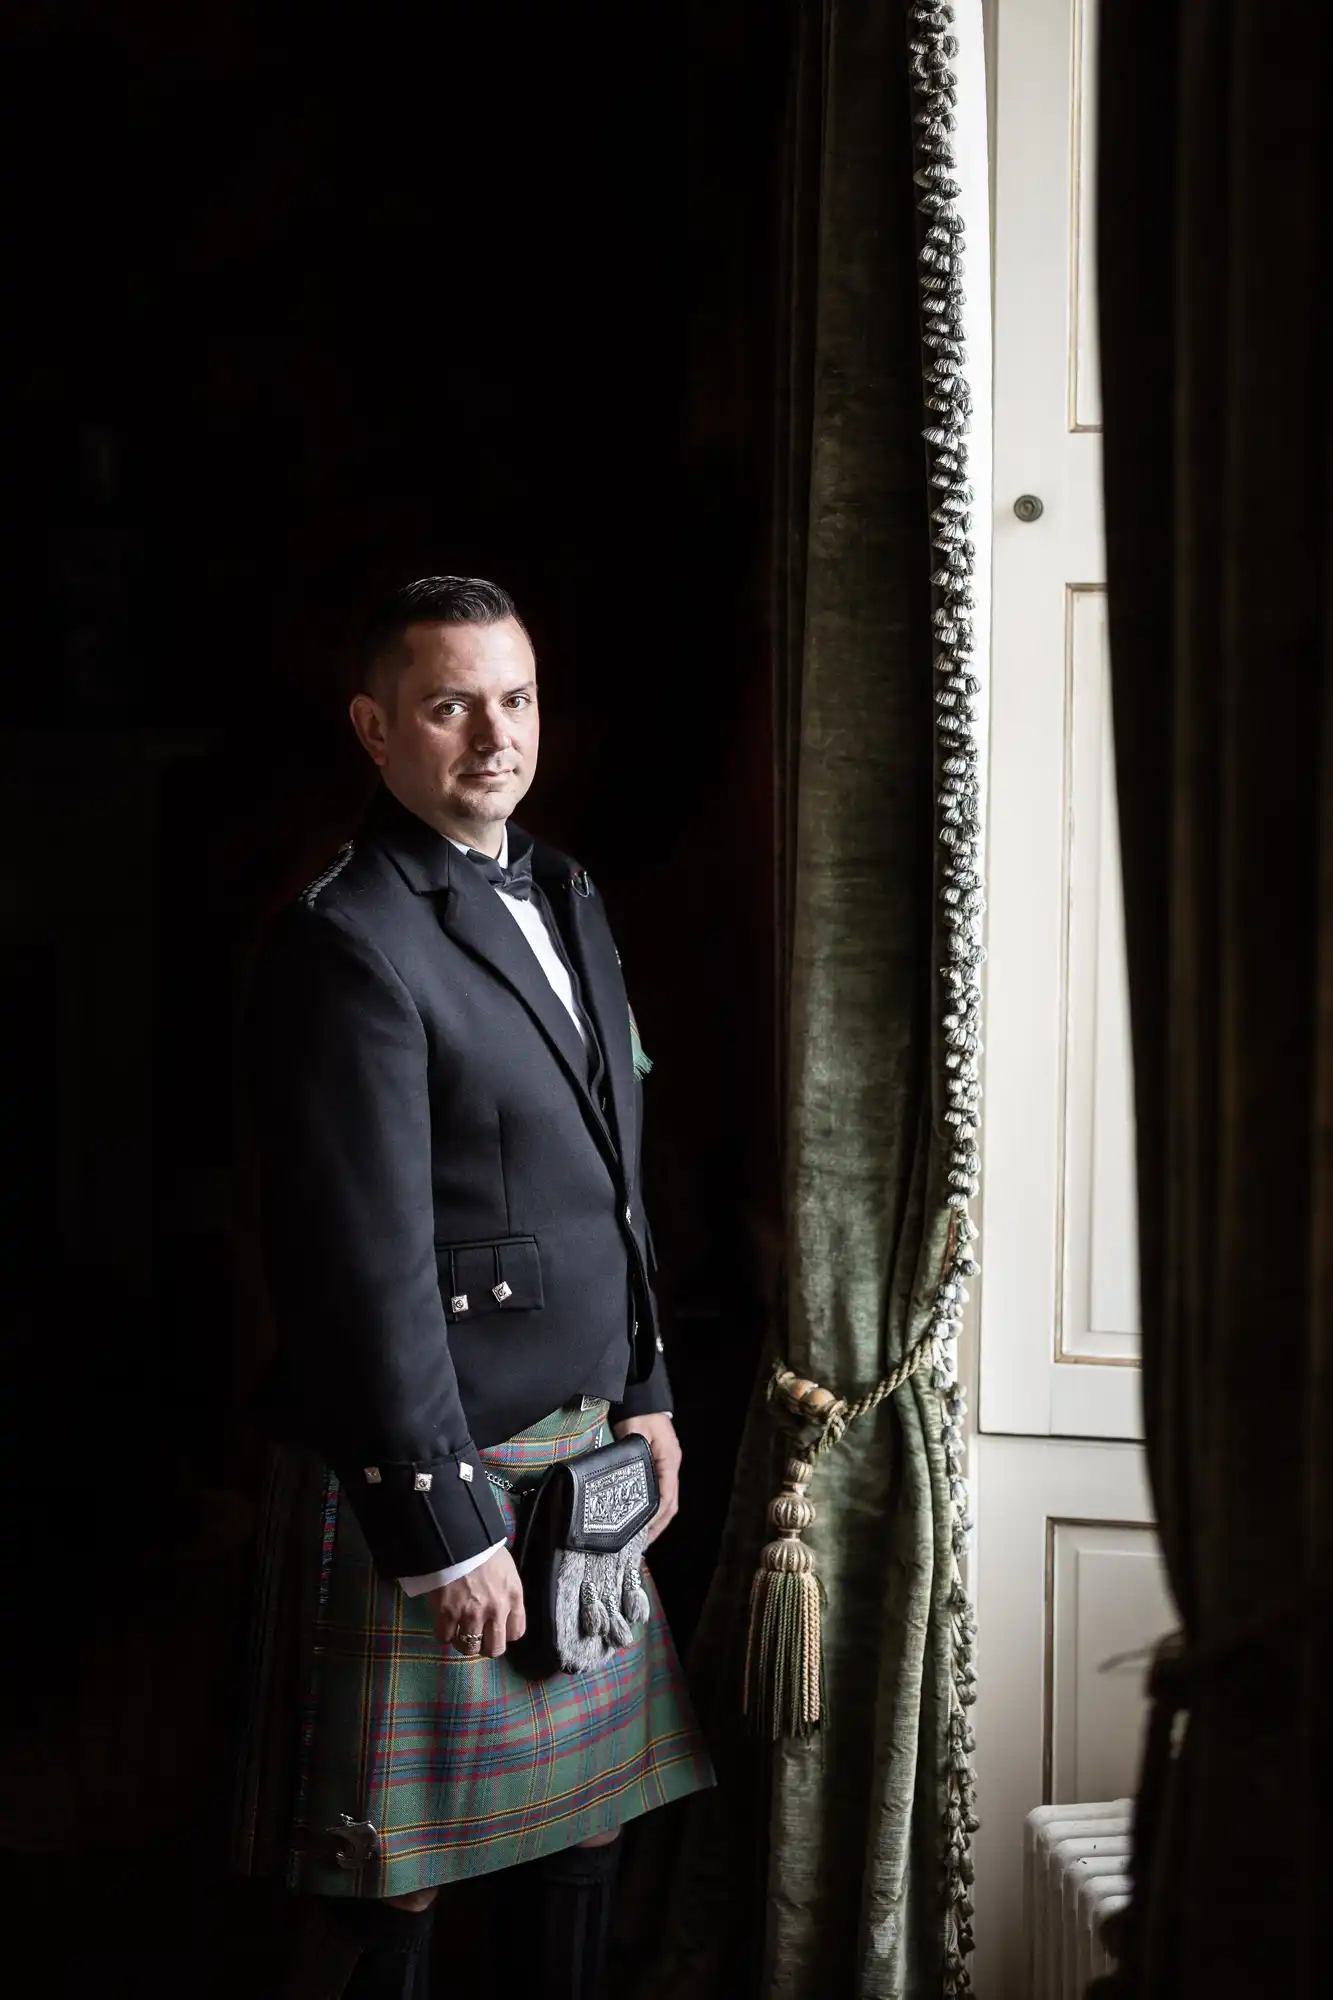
[355, 1841]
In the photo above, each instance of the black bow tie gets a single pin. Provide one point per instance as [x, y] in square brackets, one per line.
[515, 880]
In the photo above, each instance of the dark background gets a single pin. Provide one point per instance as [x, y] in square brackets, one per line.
[303, 303]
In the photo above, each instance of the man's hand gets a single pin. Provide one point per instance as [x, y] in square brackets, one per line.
[665, 1448]
[487, 1601]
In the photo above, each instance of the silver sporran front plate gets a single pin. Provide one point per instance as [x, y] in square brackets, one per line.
[612, 1499]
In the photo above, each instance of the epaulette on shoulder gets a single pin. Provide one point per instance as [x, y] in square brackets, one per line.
[311, 895]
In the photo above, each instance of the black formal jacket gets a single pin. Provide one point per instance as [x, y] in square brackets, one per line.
[453, 1231]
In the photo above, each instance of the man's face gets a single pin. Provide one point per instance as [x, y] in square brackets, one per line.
[457, 740]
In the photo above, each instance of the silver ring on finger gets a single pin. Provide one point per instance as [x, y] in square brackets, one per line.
[468, 1643]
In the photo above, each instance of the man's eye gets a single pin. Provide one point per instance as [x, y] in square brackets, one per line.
[520, 700]
[445, 709]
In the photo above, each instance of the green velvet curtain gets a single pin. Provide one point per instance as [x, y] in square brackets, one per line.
[837, 1866]
[1216, 229]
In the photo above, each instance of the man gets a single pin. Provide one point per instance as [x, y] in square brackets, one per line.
[447, 1109]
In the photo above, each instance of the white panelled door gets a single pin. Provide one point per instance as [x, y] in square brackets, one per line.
[1060, 1253]
[1065, 1567]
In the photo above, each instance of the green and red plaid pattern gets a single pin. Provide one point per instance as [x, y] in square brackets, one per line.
[462, 1765]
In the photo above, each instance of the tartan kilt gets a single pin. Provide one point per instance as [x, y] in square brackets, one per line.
[461, 1765]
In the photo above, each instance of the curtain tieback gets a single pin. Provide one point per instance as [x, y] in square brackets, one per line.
[784, 1665]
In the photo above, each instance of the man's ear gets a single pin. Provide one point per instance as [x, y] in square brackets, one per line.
[369, 722]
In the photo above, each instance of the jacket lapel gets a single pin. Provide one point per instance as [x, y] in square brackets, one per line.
[469, 911]
[472, 916]
[582, 920]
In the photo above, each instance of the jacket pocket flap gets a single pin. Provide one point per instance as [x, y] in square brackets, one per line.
[501, 1275]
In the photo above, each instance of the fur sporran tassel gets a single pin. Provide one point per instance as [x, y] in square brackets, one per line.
[784, 1665]
[600, 1603]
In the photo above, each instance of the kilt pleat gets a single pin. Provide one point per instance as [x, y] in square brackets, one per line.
[462, 1766]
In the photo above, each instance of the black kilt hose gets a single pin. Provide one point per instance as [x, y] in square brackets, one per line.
[459, 1268]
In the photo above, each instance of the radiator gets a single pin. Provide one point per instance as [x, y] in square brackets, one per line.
[1075, 1874]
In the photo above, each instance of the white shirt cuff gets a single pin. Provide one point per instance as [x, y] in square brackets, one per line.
[417, 1586]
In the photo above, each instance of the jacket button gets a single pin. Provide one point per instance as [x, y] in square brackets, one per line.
[458, 1303]
[629, 1215]
[501, 1292]
[423, 1481]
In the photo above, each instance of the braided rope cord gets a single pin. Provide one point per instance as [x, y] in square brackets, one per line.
[842, 1416]
[833, 1416]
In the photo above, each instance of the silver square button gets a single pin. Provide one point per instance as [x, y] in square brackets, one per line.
[465, 1471]
[501, 1292]
[373, 1475]
[458, 1303]
[422, 1482]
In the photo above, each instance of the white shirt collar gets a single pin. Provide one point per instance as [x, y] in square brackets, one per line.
[502, 857]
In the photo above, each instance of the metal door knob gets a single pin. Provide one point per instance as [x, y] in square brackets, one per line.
[1028, 507]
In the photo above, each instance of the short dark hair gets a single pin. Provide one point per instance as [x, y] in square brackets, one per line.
[431, 600]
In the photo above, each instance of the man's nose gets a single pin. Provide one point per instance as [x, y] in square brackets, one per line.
[491, 730]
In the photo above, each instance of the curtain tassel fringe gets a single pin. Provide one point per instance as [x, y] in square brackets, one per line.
[784, 1665]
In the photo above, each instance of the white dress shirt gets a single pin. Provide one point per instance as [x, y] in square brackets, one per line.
[528, 916]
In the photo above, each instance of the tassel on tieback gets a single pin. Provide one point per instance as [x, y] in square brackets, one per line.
[784, 1665]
